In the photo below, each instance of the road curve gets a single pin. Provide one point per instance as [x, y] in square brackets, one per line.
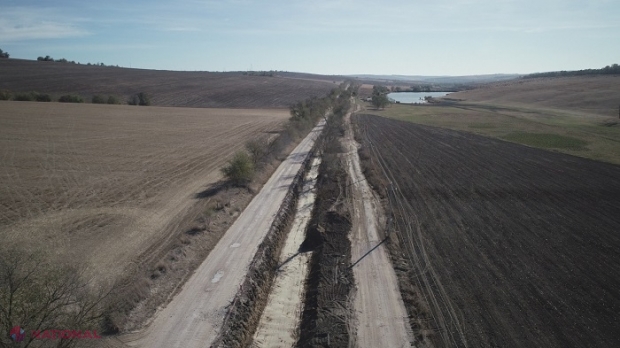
[195, 316]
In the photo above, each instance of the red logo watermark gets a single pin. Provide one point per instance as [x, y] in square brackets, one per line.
[18, 334]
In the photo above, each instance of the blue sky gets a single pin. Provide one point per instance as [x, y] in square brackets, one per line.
[431, 37]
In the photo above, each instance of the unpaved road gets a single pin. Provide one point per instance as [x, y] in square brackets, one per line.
[380, 315]
[195, 315]
[279, 322]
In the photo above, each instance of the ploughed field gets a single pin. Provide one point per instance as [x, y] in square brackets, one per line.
[166, 88]
[102, 184]
[510, 246]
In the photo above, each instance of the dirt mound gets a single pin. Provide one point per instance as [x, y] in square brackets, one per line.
[327, 310]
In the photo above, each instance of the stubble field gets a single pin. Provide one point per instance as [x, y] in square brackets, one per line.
[509, 246]
[101, 185]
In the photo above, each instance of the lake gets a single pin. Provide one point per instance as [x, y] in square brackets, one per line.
[414, 97]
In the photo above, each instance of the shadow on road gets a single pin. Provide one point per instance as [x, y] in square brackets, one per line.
[368, 252]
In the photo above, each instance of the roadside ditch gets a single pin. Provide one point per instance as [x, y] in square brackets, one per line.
[246, 309]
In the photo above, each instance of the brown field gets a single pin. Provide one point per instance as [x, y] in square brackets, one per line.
[167, 88]
[102, 184]
[510, 246]
[595, 95]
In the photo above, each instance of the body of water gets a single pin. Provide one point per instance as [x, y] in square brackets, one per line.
[414, 97]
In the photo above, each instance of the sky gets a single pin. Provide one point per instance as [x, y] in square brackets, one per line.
[402, 37]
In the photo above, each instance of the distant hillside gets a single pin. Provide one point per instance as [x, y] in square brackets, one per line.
[597, 95]
[613, 69]
[166, 88]
[472, 79]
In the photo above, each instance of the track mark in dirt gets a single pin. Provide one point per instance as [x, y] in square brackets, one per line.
[380, 315]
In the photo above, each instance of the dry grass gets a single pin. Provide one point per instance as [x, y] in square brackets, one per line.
[102, 184]
[593, 95]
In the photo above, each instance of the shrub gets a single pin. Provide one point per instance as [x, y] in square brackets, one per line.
[239, 170]
[24, 97]
[258, 149]
[70, 99]
[42, 97]
[5, 94]
[113, 100]
[97, 99]
[140, 99]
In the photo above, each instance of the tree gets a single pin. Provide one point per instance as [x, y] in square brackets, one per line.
[380, 101]
[4, 54]
[258, 149]
[113, 100]
[239, 170]
[37, 296]
[140, 99]
[70, 99]
[97, 99]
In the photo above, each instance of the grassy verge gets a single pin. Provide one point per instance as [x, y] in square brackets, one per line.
[589, 136]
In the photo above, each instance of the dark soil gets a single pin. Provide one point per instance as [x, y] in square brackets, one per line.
[508, 246]
[166, 88]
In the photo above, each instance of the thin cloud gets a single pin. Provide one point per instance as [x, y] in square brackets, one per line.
[18, 24]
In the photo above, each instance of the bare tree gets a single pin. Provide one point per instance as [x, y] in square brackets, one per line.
[37, 297]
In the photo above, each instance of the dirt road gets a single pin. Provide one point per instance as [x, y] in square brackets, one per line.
[195, 315]
[380, 315]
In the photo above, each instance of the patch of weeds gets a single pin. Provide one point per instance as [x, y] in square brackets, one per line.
[482, 125]
[545, 140]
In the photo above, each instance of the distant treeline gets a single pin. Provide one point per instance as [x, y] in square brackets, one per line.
[141, 98]
[63, 60]
[613, 69]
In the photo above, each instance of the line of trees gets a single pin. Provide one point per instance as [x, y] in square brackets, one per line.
[140, 98]
[240, 170]
[613, 69]
[4, 54]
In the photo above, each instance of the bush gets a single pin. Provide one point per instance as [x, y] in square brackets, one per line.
[97, 99]
[239, 170]
[140, 99]
[4, 54]
[70, 99]
[113, 100]
[5, 94]
[42, 97]
[258, 149]
[24, 97]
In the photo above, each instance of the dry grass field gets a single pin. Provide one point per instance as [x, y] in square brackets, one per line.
[166, 88]
[585, 95]
[102, 184]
